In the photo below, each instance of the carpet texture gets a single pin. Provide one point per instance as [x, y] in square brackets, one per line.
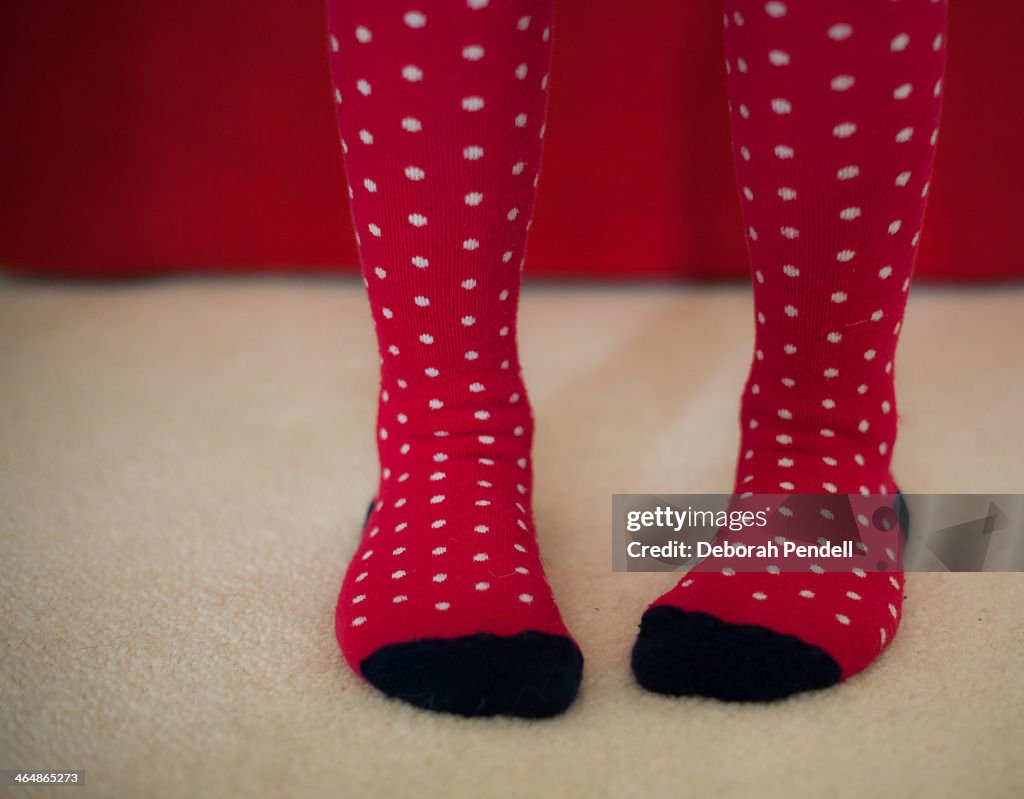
[185, 466]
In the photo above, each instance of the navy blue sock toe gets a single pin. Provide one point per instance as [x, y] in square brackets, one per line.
[695, 654]
[531, 674]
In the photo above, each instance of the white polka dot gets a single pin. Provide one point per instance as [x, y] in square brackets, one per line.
[775, 9]
[363, 35]
[840, 83]
[779, 58]
[839, 32]
[473, 153]
[899, 43]
[412, 73]
[902, 92]
[844, 130]
[473, 52]
[415, 19]
[781, 106]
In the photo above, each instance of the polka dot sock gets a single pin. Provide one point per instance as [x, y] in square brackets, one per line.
[834, 110]
[441, 111]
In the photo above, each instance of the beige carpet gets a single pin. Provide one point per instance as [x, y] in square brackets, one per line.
[184, 466]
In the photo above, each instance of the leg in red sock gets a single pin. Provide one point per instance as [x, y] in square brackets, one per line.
[835, 108]
[441, 112]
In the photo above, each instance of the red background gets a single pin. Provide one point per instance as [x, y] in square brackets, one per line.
[144, 138]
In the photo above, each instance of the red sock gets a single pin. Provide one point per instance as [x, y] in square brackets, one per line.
[441, 111]
[835, 109]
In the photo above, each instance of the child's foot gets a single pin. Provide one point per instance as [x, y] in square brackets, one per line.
[445, 603]
[764, 629]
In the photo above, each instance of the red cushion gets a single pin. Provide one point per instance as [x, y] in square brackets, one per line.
[199, 136]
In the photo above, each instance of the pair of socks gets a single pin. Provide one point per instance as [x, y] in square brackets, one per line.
[441, 112]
